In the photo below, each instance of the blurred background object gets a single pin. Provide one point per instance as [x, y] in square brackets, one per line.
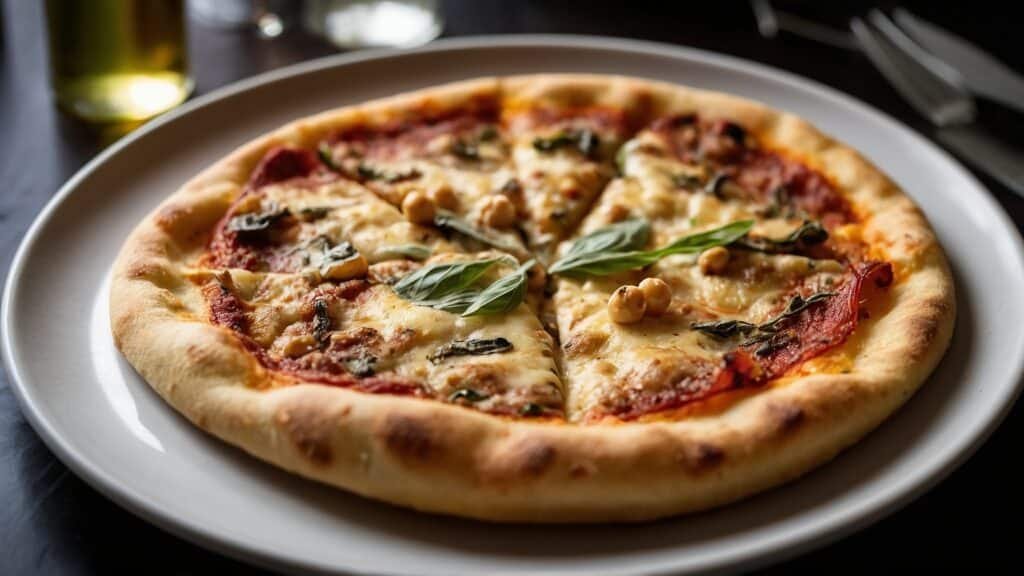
[374, 23]
[118, 60]
[936, 71]
[270, 17]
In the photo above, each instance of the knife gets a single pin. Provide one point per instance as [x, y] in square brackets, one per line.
[983, 73]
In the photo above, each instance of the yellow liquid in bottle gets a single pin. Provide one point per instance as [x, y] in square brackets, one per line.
[118, 60]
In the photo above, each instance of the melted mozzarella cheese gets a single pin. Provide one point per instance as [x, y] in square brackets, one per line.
[604, 363]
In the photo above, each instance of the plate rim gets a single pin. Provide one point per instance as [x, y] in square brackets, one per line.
[829, 528]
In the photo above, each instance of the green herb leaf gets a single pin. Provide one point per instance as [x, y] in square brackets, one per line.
[258, 221]
[487, 133]
[471, 347]
[313, 213]
[769, 334]
[321, 321]
[686, 181]
[465, 150]
[621, 155]
[436, 281]
[368, 172]
[455, 303]
[602, 262]
[622, 236]
[808, 234]
[724, 328]
[417, 252]
[797, 305]
[467, 394]
[361, 366]
[449, 221]
[326, 156]
[585, 141]
[504, 295]
[336, 255]
[531, 409]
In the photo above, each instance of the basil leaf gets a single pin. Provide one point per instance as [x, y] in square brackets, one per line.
[686, 181]
[314, 213]
[808, 234]
[471, 347]
[368, 172]
[603, 263]
[467, 394]
[417, 252]
[626, 235]
[724, 328]
[465, 150]
[448, 221]
[701, 241]
[585, 141]
[455, 303]
[326, 157]
[257, 221]
[338, 253]
[504, 295]
[436, 281]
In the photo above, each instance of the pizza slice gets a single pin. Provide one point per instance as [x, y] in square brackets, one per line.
[564, 138]
[767, 277]
[444, 166]
[315, 274]
[360, 334]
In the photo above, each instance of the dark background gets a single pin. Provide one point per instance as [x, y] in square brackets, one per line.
[53, 523]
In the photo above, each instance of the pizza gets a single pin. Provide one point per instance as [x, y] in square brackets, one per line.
[548, 298]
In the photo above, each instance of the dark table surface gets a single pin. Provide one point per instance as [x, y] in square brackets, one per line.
[53, 523]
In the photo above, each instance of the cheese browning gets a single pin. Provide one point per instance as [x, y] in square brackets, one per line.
[308, 265]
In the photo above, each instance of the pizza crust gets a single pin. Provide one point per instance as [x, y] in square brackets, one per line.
[442, 458]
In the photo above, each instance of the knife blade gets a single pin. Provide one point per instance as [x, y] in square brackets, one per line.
[983, 73]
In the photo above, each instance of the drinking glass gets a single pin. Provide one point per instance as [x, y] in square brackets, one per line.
[118, 60]
[374, 23]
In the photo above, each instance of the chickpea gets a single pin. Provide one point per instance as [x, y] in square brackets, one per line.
[250, 203]
[441, 144]
[713, 260]
[569, 187]
[617, 213]
[443, 196]
[657, 295]
[417, 208]
[354, 267]
[299, 346]
[627, 305]
[498, 212]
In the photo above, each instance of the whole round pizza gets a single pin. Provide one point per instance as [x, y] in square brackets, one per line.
[539, 298]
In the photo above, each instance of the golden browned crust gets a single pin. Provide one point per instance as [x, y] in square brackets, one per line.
[443, 458]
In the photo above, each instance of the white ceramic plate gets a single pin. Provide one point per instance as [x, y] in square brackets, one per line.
[105, 423]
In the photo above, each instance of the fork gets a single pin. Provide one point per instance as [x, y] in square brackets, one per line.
[939, 93]
[930, 85]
